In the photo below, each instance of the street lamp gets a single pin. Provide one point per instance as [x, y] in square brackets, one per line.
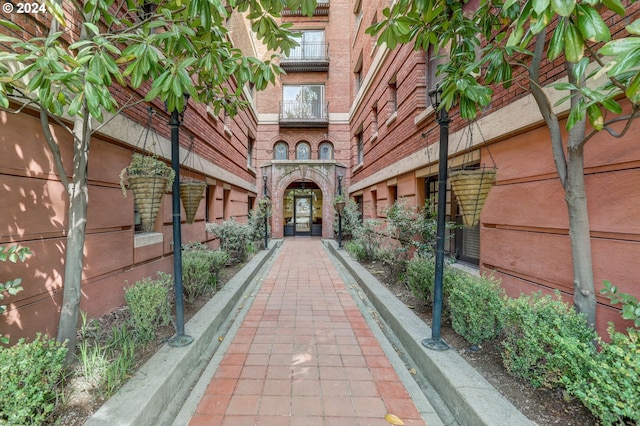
[340, 203]
[177, 118]
[435, 342]
[265, 209]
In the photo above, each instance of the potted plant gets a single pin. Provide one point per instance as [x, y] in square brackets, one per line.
[265, 205]
[339, 202]
[148, 178]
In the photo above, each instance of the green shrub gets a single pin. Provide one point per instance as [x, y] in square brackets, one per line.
[256, 223]
[29, 374]
[148, 302]
[201, 270]
[356, 249]
[235, 238]
[611, 387]
[395, 261]
[197, 278]
[420, 274]
[630, 304]
[350, 220]
[545, 340]
[476, 305]
[369, 237]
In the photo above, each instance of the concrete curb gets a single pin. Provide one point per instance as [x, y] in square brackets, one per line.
[469, 396]
[147, 395]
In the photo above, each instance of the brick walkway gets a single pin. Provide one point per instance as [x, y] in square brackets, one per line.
[304, 355]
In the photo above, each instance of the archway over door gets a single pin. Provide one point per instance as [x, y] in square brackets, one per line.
[302, 209]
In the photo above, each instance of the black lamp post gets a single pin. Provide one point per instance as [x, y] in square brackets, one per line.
[177, 118]
[265, 209]
[340, 208]
[435, 342]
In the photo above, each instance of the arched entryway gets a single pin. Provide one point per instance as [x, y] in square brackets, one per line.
[303, 209]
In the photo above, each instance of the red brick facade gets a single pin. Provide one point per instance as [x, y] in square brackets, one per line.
[374, 96]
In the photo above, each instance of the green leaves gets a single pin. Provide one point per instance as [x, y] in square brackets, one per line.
[591, 25]
[563, 7]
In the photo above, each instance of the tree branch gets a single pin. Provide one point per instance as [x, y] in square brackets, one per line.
[125, 106]
[628, 118]
[54, 148]
[546, 109]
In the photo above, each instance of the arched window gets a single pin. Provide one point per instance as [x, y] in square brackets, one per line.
[303, 151]
[281, 151]
[325, 151]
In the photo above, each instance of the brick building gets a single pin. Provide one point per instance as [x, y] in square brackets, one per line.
[348, 112]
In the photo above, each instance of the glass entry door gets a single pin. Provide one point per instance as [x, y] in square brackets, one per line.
[302, 215]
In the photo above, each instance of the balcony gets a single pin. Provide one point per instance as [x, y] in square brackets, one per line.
[322, 9]
[308, 57]
[304, 114]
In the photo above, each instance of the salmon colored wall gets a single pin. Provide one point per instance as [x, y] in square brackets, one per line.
[34, 214]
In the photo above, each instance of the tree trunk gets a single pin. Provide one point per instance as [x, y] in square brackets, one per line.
[584, 297]
[77, 218]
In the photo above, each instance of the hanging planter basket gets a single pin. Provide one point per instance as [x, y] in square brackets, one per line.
[471, 188]
[148, 178]
[191, 192]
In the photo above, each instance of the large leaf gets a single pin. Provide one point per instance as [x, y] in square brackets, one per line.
[573, 44]
[621, 46]
[563, 7]
[633, 90]
[556, 45]
[634, 27]
[615, 5]
[539, 6]
[591, 25]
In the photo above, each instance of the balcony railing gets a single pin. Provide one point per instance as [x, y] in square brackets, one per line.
[304, 114]
[307, 57]
[322, 9]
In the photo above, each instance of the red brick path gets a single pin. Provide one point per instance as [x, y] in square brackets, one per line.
[304, 355]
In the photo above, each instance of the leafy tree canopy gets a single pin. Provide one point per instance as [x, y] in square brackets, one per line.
[491, 44]
[178, 46]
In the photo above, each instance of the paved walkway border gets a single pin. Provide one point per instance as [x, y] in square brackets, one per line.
[469, 396]
[165, 381]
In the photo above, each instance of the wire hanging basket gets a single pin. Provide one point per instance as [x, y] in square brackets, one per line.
[471, 187]
[191, 193]
[148, 178]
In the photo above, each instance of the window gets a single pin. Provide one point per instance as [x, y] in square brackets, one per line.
[358, 200]
[467, 240]
[465, 244]
[303, 101]
[311, 46]
[357, 71]
[374, 121]
[433, 60]
[303, 151]
[226, 204]
[431, 195]
[250, 146]
[281, 151]
[360, 147]
[393, 95]
[325, 151]
[210, 198]
[374, 204]
[137, 219]
[392, 195]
